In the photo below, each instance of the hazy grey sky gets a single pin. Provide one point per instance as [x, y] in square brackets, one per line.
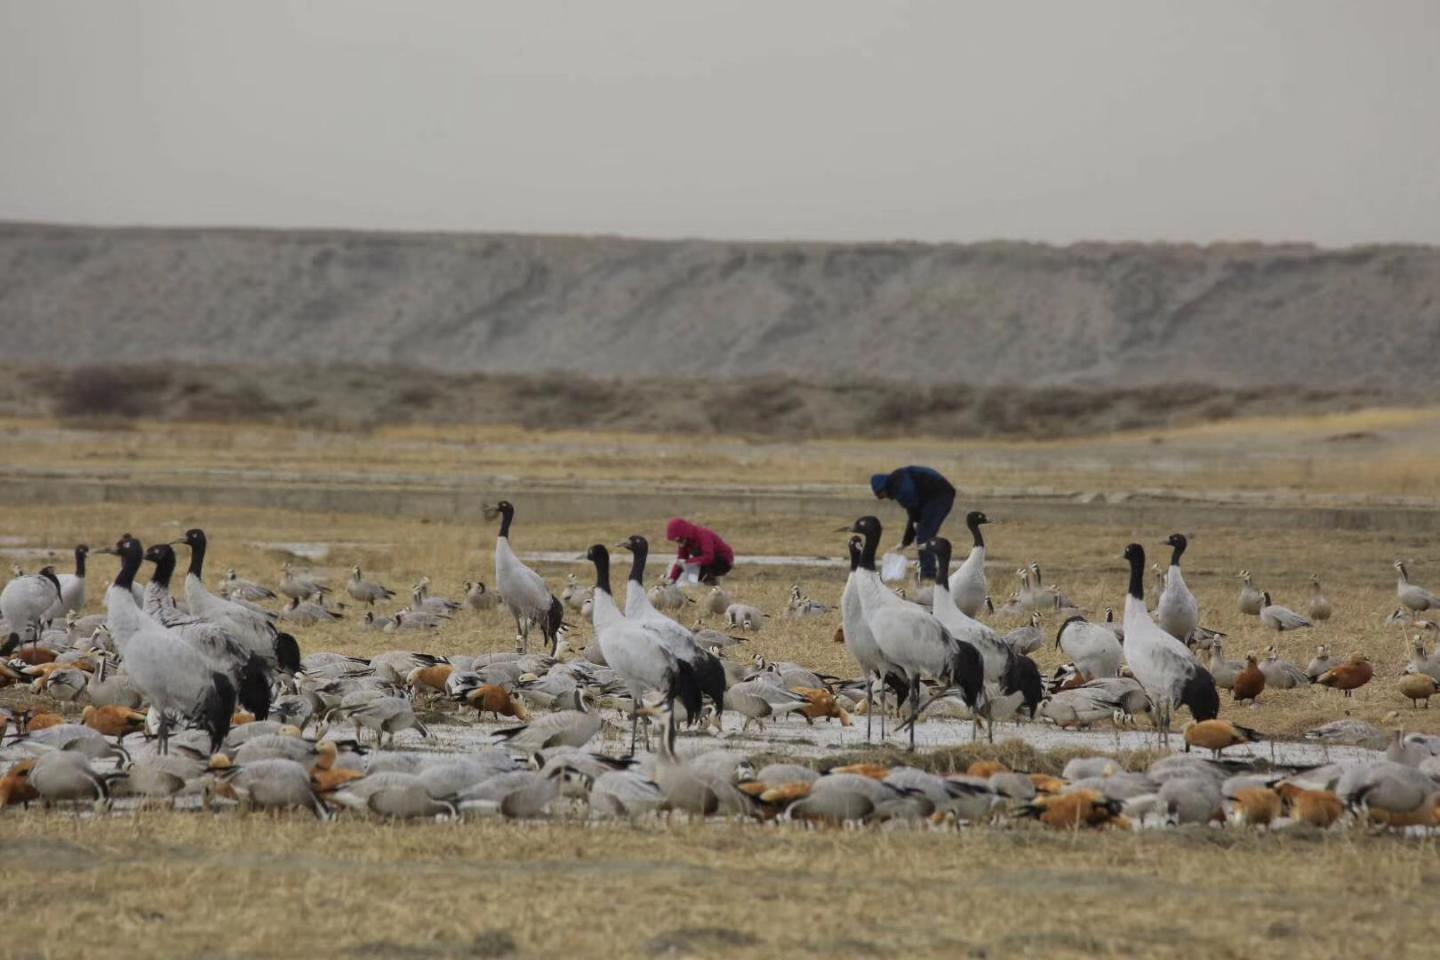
[831, 119]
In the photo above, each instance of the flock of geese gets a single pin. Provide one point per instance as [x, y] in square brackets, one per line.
[210, 699]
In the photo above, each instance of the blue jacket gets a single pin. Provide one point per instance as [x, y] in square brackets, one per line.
[913, 488]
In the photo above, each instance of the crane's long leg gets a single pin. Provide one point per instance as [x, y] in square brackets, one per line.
[519, 632]
[869, 706]
[634, 726]
[914, 710]
[883, 688]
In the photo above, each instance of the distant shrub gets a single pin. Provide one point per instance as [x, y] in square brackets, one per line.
[97, 392]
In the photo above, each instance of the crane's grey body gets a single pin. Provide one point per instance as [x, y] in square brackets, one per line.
[24, 603]
[1092, 647]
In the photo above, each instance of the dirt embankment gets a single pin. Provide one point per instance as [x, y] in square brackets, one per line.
[1112, 316]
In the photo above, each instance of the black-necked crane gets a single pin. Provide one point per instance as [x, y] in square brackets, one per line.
[173, 676]
[709, 672]
[523, 590]
[910, 637]
[1010, 672]
[636, 653]
[246, 670]
[1178, 612]
[968, 586]
[860, 642]
[246, 624]
[1163, 665]
[24, 603]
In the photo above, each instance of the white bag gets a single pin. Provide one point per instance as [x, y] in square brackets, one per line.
[893, 567]
[690, 573]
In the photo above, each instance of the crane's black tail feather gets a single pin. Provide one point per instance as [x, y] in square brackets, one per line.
[253, 689]
[685, 687]
[216, 709]
[554, 621]
[710, 674]
[287, 653]
[1200, 695]
[1023, 677]
[967, 671]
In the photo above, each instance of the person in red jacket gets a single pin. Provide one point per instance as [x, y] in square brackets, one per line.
[699, 546]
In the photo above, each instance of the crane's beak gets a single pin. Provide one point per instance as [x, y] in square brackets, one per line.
[620, 546]
[109, 550]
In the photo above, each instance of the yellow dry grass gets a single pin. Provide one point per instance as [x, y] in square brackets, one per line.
[159, 886]
[1372, 452]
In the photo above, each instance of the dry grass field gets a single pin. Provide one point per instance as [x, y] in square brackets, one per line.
[189, 885]
[1378, 455]
[192, 886]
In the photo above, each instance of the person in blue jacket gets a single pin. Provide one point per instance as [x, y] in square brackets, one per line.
[927, 498]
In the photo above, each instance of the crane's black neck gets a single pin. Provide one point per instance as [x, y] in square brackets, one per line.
[80, 562]
[871, 533]
[130, 556]
[49, 574]
[601, 558]
[974, 526]
[197, 558]
[507, 514]
[641, 550]
[164, 561]
[1136, 553]
[941, 549]
[1177, 549]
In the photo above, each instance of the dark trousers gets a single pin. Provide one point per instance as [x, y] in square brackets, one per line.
[711, 572]
[932, 515]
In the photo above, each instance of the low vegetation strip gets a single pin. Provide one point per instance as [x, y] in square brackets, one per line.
[762, 407]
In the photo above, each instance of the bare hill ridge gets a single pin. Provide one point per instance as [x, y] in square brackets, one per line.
[1001, 313]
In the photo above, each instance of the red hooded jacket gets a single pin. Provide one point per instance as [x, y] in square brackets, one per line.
[697, 545]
